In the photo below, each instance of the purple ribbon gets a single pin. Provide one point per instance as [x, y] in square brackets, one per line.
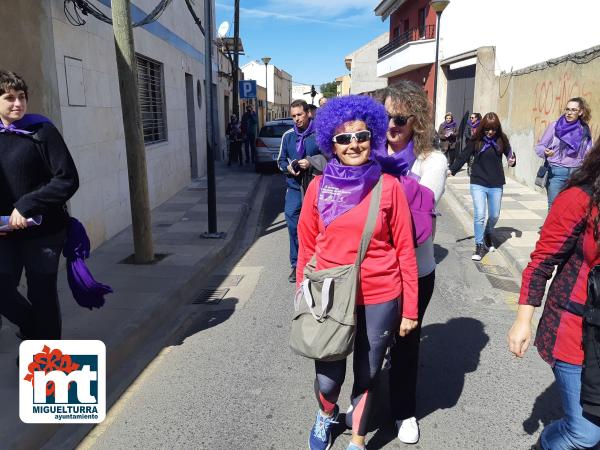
[398, 163]
[343, 187]
[87, 292]
[300, 136]
[571, 133]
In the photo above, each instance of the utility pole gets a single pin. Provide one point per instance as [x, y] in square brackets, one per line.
[236, 58]
[134, 137]
[210, 126]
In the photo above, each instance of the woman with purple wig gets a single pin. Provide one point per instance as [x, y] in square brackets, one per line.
[409, 156]
[349, 130]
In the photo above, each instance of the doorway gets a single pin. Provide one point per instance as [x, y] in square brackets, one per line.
[459, 100]
[191, 124]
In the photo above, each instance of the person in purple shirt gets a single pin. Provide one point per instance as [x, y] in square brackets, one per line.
[564, 144]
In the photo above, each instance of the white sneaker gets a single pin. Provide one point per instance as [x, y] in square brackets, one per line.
[408, 430]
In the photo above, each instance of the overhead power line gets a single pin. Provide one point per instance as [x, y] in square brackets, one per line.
[76, 10]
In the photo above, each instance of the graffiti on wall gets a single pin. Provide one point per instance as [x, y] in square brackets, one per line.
[551, 96]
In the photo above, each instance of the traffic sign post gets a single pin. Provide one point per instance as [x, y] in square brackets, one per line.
[247, 88]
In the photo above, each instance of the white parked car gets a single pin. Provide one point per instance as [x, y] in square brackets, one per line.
[268, 143]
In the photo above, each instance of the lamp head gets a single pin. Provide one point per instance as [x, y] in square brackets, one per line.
[266, 60]
[439, 5]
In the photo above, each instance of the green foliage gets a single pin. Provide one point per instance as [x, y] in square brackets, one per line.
[329, 89]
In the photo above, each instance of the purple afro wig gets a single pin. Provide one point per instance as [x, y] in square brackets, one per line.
[340, 110]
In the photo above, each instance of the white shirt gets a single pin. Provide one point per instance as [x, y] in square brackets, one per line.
[432, 170]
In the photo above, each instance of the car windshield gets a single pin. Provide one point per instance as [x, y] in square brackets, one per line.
[274, 131]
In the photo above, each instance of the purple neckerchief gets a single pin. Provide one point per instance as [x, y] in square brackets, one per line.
[421, 202]
[487, 143]
[449, 125]
[300, 136]
[19, 126]
[343, 187]
[474, 125]
[87, 292]
[571, 133]
[398, 163]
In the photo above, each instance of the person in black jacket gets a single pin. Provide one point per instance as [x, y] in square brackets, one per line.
[37, 177]
[487, 146]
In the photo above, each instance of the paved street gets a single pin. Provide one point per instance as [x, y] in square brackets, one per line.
[229, 380]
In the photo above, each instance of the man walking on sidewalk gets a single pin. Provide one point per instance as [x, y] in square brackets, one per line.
[249, 128]
[297, 146]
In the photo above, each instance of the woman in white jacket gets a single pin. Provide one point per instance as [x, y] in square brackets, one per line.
[411, 154]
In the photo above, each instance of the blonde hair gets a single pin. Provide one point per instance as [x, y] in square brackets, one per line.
[416, 103]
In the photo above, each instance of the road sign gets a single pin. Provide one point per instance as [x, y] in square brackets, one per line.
[247, 89]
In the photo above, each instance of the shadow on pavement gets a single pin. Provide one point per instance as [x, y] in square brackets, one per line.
[439, 253]
[448, 352]
[545, 410]
[503, 234]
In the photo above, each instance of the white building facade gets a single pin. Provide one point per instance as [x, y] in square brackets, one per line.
[278, 84]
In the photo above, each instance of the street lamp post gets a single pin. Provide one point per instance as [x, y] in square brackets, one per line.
[266, 60]
[438, 6]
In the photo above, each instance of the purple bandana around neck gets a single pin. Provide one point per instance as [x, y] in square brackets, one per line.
[398, 163]
[449, 125]
[489, 143]
[571, 133]
[344, 187]
[474, 125]
[20, 126]
[301, 135]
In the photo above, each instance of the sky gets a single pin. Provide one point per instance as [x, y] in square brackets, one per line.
[308, 38]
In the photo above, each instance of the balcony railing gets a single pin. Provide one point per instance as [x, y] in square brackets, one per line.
[414, 34]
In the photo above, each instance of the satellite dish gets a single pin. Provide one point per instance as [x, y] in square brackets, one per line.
[223, 29]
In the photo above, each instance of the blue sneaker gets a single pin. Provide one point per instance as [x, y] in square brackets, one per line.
[353, 446]
[320, 434]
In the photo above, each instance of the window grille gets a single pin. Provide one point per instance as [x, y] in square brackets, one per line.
[152, 99]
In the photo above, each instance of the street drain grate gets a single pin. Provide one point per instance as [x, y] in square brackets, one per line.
[504, 285]
[210, 296]
[493, 269]
[228, 281]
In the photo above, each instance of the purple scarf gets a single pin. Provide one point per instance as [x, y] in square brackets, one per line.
[19, 126]
[489, 143]
[300, 136]
[474, 125]
[343, 187]
[87, 292]
[398, 163]
[571, 133]
[449, 125]
[421, 202]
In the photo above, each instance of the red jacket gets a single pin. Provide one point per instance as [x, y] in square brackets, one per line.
[389, 269]
[566, 241]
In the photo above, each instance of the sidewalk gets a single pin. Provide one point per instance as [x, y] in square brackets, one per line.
[523, 213]
[145, 297]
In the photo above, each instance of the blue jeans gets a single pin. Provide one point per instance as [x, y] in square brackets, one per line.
[250, 147]
[573, 431]
[557, 178]
[293, 204]
[482, 195]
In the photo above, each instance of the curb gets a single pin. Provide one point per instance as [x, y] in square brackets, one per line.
[128, 357]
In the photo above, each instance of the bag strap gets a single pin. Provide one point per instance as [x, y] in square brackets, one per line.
[370, 222]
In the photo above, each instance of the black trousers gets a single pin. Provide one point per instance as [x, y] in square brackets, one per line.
[404, 356]
[38, 315]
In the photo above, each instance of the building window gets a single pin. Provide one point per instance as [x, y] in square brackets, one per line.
[152, 99]
[422, 22]
[396, 32]
[406, 24]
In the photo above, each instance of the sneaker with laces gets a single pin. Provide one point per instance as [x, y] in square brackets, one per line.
[320, 434]
[353, 446]
[479, 252]
[408, 430]
[489, 242]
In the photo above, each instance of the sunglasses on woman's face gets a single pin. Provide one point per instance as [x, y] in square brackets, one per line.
[346, 138]
[400, 120]
[487, 130]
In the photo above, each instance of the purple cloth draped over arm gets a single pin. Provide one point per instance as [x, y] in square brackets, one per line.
[87, 292]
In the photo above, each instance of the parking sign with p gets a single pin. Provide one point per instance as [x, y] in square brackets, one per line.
[247, 88]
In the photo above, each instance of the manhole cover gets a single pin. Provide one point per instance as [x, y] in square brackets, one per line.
[504, 285]
[210, 296]
[494, 270]
[228, 281]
